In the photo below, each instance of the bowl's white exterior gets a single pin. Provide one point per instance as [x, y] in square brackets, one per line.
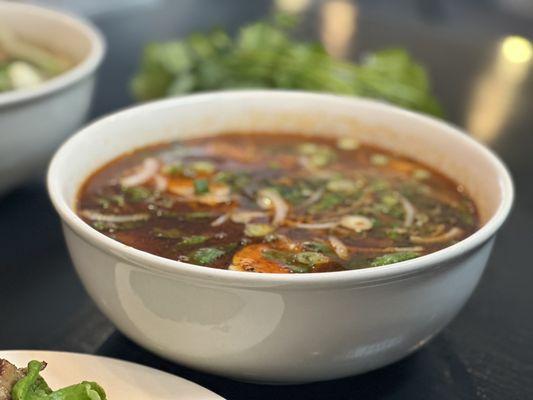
[268, 327]
[33, 122]
[30, 131]
[275, 334]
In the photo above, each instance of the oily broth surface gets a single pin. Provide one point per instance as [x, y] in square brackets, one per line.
[320, 180]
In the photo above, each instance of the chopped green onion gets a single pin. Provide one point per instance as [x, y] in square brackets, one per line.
[393, 258]
[201, 186]
[311, 258]
[199, 215]
[137, 194]
[194, 239]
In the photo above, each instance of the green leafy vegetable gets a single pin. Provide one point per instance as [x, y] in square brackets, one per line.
[34, 387]
[82, 391]
[393, 258]
[263, 55]
[206, 255]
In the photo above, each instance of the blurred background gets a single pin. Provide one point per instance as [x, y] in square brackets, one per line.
[478, 52]
[479, 56]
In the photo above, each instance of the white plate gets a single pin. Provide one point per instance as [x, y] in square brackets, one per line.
[120, 379]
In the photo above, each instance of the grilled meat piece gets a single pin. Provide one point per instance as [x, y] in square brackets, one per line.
[9, 375]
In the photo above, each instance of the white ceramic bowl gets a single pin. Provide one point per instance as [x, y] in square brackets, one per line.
[279, 328]
[33, 122]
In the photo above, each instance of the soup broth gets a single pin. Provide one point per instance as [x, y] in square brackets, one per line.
[276, 203]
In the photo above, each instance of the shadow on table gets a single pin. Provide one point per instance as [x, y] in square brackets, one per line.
[401, 380]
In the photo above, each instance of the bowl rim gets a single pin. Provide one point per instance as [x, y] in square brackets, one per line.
[237, 278]
[85, 67]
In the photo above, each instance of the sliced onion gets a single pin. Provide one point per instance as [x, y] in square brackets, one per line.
[400, 249]
[211, 199]
[218, 193]
[148, 169]
[318, 225]
[271, 199]
[243, 216]
[220, 220]
[161, 183]
[357, 223]
[96, 216]
[233, 267]
[409, 212]
[451, 234]
[340, 249]
[386, 249]
[183, 188]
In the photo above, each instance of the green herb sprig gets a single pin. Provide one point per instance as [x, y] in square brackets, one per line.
[264, 55]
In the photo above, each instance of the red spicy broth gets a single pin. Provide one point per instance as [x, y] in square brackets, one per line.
[276, 203]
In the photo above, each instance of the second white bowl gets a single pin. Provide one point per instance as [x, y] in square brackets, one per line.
[33, 122]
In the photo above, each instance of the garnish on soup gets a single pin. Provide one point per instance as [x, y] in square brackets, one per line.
[276, 203]
[28, 384]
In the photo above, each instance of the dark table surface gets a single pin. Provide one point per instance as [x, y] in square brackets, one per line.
[485, 353]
